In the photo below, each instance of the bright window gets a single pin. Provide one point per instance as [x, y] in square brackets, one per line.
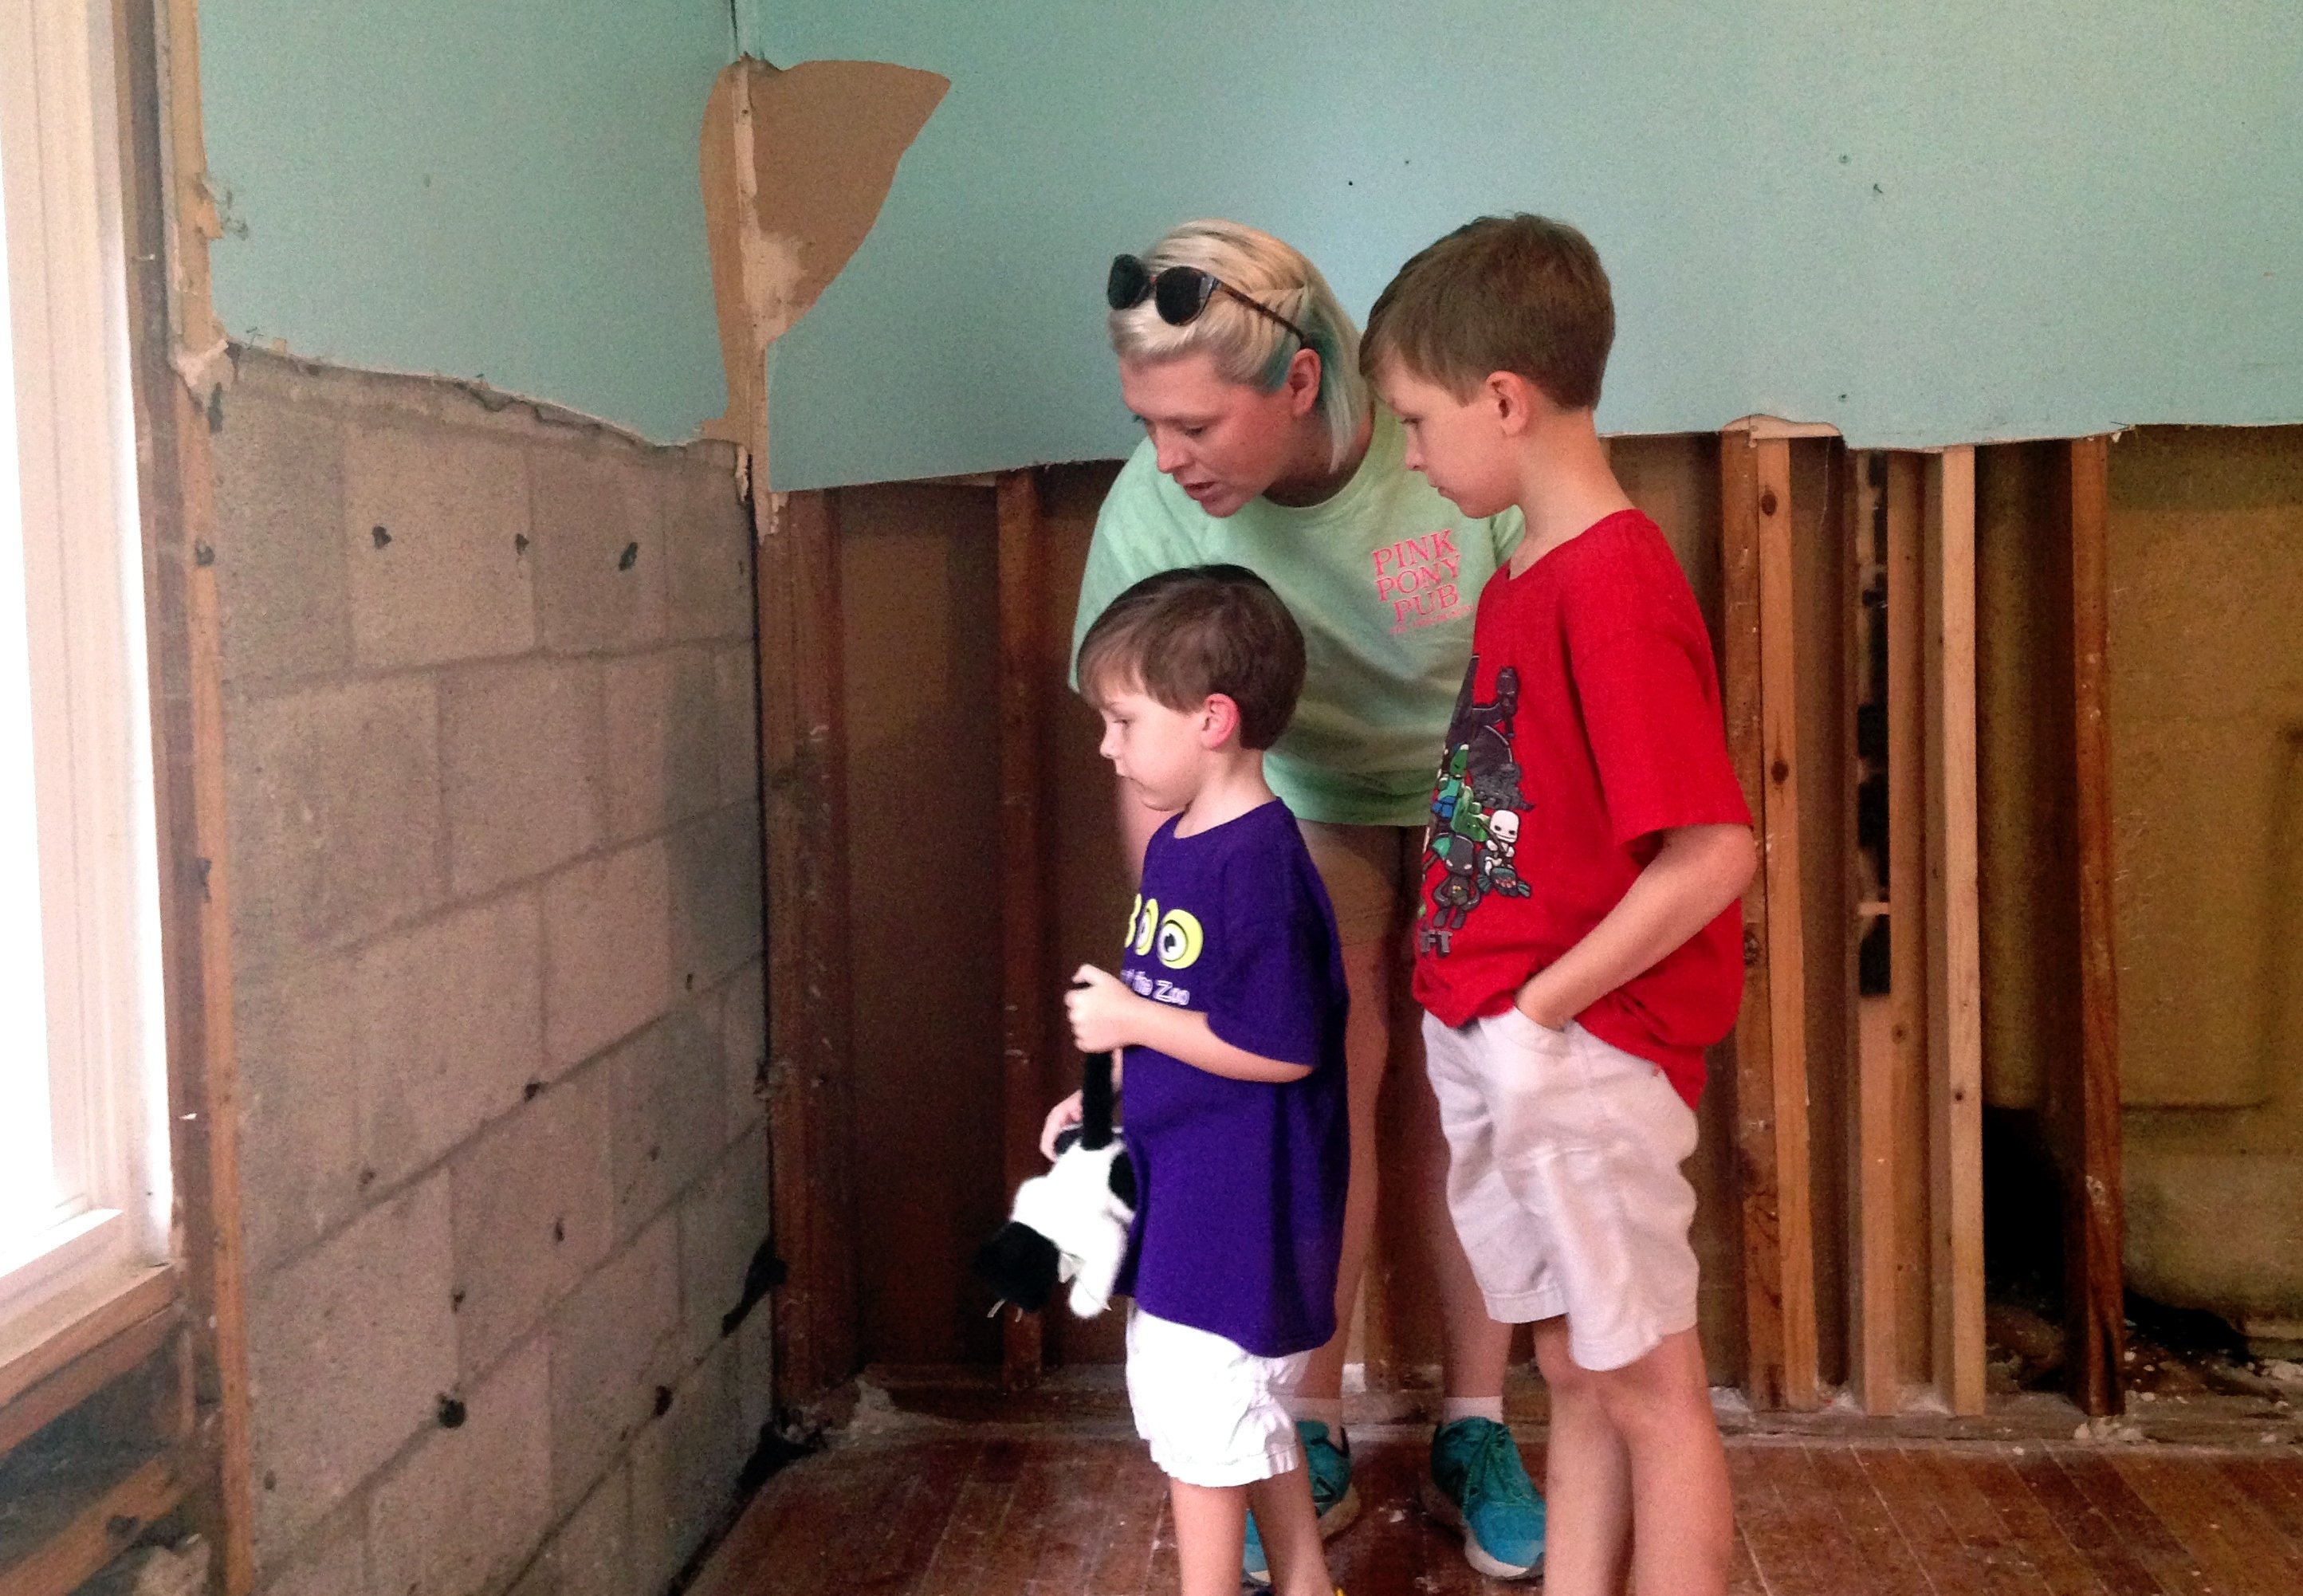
[83, 1147]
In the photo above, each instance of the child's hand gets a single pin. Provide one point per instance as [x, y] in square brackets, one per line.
[1061, 1118]
[1102, 1011]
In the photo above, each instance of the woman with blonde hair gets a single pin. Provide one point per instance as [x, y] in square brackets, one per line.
[1263, 448]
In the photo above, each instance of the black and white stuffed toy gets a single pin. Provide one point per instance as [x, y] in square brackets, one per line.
[1070, 1223]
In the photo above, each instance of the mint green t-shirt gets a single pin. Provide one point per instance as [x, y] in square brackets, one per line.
[1383, 577]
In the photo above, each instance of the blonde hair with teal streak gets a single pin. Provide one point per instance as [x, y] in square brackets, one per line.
[1248, 348]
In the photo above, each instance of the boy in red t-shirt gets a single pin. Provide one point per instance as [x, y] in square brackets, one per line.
[1578, 944]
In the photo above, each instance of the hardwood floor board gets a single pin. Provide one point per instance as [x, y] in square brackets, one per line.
[1028, 1511]
[2058, 1563]
[1139, 1501]
[1878, 1541]
[1779, 1554]
[2139, 1527]
[2239, 1548]
[2085, 1527]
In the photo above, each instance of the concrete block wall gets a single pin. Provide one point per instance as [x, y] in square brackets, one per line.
[496, 909]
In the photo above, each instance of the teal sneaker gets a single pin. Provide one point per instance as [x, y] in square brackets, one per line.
[1332, 1496]
[1479, 1488]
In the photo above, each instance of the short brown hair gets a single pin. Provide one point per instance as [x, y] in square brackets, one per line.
[1206, 629]
[1517, 293]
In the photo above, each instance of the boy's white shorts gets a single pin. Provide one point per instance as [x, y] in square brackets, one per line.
[1563, 1178]
[1209, 1408]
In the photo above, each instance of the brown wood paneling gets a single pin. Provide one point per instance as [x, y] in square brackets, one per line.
[1088, 889]
[919, 573]
[803, 755]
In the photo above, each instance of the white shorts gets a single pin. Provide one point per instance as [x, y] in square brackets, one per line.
[1563, 1178]
[1210, 1407]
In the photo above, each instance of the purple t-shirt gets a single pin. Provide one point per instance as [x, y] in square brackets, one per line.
[1239, 1217]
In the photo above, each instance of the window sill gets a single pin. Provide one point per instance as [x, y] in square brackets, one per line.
[80, 1319]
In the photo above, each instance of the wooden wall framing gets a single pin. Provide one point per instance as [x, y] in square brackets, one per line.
[2083, 1101]
[1771, 1086]
[1914, 1106]
[1890, 1089]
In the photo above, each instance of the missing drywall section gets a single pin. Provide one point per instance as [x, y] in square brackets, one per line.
[796, 165]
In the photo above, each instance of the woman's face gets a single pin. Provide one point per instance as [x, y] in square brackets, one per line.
[1224, 442]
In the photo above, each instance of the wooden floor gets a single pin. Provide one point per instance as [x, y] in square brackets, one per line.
[956, 1514]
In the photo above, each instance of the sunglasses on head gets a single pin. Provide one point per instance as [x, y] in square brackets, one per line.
[1179, 293]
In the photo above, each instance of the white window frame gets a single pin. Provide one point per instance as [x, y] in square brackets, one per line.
[73, 676]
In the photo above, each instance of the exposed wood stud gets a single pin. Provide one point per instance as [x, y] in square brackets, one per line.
[2088, 1120]
[1024, 1000]
[1779, 825]
[1907, 918]
[1872, 1151]
[1955, 981]
[1757, 1194]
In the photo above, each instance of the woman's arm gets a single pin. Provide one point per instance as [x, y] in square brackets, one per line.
[1105, 1015]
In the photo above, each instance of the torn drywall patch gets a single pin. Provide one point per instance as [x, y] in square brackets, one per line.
[796, 165]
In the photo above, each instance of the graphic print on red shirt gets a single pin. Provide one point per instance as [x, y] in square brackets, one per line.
[1588, 724]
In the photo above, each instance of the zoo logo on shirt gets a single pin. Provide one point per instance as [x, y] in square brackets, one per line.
[1176, 936]
[1418, 578]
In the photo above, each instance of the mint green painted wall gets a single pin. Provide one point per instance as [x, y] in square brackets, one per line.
[496, 189]
[1926, 223]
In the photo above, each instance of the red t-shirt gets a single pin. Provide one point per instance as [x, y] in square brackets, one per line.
[1589, 722]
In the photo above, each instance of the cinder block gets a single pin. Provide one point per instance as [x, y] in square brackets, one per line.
[668, 1090]
[469, 1504]
[532, 1214]
[599, 555]
[350, 1348]
[614, 1342]
[433, 525]
[282, 591]
[592, 1555]
[451, 1030]
[336, 817]
[332, 1561]
[662, 759]
[715, 895]
[744, 1039]
[722, 1221]
[684, 1469]
[709, 532]
[736, 669]
[522, 757]
[299, 1119]
[607, 938]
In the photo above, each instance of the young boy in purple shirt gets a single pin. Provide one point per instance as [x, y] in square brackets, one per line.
[1230, 1006]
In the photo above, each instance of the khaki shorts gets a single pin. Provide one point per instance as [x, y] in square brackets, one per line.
[1210, 1407]
[1563, 1178]
[1370, 873]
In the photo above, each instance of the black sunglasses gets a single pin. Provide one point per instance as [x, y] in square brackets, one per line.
[1179, 292]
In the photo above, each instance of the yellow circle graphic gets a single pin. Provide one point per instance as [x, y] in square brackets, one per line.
[1147, 921]
[1180, 940]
